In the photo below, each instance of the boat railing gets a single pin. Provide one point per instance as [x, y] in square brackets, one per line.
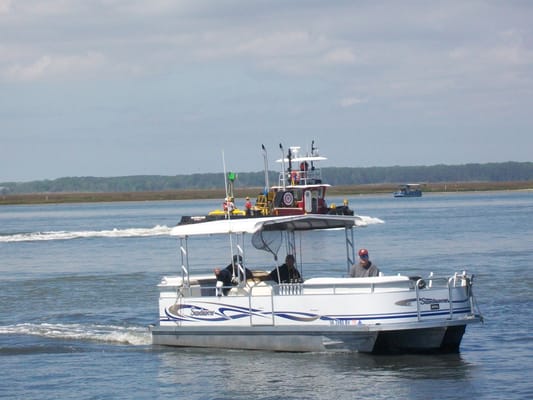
[451, 284]
[357, 285]
[214, 288]
[457, 280]
[300, 177]
[463, 280]
[289, 289]
[207, 286]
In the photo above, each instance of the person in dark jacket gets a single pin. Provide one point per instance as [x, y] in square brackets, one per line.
[232, 274]
[287, 272]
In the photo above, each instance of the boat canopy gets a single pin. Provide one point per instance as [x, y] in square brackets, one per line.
[288, 223]
[302, 159]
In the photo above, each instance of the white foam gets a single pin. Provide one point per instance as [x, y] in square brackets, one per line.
[370, 220]
[137, 336]
[158, 230]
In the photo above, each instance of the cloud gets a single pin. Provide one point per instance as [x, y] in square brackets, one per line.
[351, 101]
[512, 50]
[29, 9]
[340, 56]
[5, 6]
[278, 44]
[54, 66]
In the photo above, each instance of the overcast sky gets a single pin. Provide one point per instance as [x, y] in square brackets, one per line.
[128, 87]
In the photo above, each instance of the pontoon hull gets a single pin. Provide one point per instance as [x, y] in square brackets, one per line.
[415, 338]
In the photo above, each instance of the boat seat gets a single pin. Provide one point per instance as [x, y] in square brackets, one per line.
[259, 276]
[255, 287]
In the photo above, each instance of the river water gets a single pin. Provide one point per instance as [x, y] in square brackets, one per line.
[78, 289]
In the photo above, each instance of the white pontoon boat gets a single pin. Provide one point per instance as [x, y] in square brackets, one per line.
[384, 314]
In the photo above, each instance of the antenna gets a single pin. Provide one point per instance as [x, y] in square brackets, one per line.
[265, 159]
[289, 156]
[228, 214]
[313, 148]
[283, 165]
[225, 177]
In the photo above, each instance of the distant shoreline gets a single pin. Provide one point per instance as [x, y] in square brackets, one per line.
[197, 194]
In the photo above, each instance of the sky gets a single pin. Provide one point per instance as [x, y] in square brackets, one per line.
[169, 87]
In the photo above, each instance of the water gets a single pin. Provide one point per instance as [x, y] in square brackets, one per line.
[78, 288]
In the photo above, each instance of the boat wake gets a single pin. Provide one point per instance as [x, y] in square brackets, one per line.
[137, 336]
[371, 220]
[158, 230]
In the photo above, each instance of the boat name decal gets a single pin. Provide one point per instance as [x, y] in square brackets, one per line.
[202, 312]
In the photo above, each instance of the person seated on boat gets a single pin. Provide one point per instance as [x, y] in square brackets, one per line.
[286, 273]
[232, 274]
[224, 276]
[248, 207]
[365, 267]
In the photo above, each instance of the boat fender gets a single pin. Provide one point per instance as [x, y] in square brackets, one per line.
[288, 199]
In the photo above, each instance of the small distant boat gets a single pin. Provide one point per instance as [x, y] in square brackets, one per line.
[408, 190]
[382, 314]
[300, 190]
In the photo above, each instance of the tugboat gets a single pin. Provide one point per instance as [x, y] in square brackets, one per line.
[300, 190]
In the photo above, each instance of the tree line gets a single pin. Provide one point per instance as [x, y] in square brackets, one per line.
[337, 176]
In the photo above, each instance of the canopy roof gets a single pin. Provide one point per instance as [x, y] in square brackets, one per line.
[302, 159]
[289, 223]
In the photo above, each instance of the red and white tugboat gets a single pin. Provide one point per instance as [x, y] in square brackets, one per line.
[300, 190]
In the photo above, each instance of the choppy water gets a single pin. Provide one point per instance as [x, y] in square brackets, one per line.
[78, 288]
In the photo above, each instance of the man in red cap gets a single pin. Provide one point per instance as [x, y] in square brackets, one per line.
[365, 268]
